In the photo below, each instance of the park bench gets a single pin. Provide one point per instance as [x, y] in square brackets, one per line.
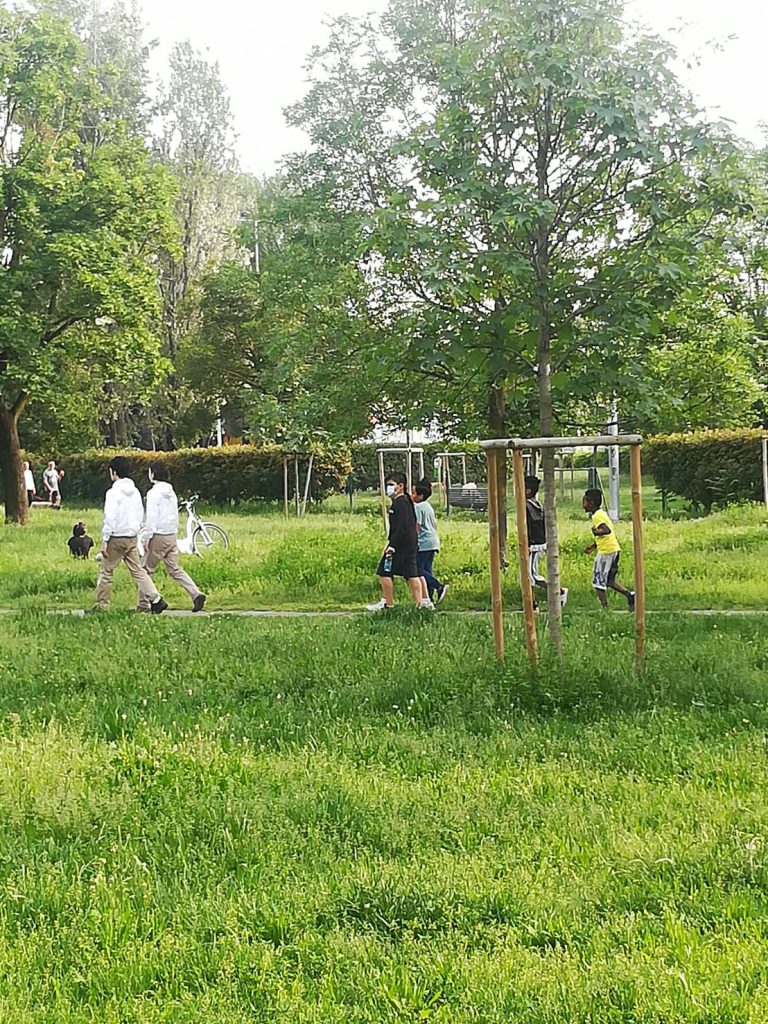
[475, 499]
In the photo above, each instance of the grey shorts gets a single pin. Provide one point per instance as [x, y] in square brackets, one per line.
[606, 570]
[534, 564]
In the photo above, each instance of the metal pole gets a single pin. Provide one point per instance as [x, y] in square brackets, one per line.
[531, 641]
[219, 429]
[307, 483]
[464, 470]
[383, 492]
[497, 613]
[447, 480]
[614, 503]
[421, 466]
[637, 533]
[765, 471]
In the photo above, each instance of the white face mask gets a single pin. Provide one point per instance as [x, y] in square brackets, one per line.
[390, 490]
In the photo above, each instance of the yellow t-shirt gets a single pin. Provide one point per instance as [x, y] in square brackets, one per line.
[606, 544]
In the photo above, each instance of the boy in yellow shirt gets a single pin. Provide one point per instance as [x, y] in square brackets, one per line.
[607, 551]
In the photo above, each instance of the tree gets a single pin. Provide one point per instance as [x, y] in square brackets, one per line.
[536, 180]
[83, 217]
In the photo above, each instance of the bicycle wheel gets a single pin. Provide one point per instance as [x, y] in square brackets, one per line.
[208, 537]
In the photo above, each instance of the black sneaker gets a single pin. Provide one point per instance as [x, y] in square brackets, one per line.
[158, 607]
[199, 603]
[631, 601]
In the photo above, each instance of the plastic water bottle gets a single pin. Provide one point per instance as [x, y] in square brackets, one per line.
[388, 561]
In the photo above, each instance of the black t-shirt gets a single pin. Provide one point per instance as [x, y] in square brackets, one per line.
[537, 527]
[403, 531]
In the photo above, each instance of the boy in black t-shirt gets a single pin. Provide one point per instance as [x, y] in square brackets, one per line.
[537, 539]
[80, 543]
[400, 557]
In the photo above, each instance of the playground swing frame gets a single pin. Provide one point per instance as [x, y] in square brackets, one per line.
[408, 452]
[497, 447]
[300, 499]
[445, 473]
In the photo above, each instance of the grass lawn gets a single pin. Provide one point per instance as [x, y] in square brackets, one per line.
[366, 820]
[327, 561]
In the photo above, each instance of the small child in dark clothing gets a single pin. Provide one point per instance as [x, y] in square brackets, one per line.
[80, 543]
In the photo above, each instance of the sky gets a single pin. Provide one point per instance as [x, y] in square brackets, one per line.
[262, 45]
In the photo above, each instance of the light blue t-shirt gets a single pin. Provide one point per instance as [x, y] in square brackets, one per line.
[425, 517]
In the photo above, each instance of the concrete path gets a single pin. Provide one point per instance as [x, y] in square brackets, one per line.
[263, 613]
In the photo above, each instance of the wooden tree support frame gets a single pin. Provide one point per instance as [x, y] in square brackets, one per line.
[765, 469]
[300, 499]
[496, 449]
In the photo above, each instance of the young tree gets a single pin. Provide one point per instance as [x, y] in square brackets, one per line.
[83, 217]
[536, 181]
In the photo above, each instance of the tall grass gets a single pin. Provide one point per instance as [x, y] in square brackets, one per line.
[368, 820]
[328, 560]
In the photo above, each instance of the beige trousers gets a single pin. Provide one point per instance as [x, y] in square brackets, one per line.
[123, 549]
[164, 549]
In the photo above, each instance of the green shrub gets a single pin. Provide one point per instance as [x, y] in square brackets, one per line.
[219, 475]
[711, 468]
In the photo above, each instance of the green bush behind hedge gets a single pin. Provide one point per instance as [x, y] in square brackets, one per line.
[219, 475]
[710, 468]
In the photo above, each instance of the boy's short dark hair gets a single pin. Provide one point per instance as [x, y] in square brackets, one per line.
[398, 478]
[78, 530]
[423, 490]
[594, 496]
[120, 466]
[532, 484]
[161, 472]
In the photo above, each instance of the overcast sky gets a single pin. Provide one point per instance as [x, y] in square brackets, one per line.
[261, 46]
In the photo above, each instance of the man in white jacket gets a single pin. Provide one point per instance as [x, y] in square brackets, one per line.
[123, 515]
[162, 527]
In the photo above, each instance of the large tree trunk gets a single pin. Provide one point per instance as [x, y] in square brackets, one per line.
[16, 504]
[497, 421]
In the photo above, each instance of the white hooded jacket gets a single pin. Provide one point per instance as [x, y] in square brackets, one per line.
[162, 511]
[123, 510]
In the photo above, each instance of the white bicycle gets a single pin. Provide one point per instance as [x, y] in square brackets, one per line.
[200, 537]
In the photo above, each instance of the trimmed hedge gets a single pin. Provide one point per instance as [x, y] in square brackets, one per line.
[365, 464]
[219, 475]
[710, 468]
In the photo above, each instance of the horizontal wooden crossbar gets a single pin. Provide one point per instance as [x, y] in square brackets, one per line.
[596, 441]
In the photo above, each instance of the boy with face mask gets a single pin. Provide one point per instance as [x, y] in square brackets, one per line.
[400, 557]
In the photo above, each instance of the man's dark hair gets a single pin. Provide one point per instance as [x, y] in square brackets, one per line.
[78, 530]
[120, 466]
[160, 472]
[398, 478]
[423, 490]
[532, 484]
[594, 496]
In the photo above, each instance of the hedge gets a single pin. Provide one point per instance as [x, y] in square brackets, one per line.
[709, 467]
[365, 464]
[219, 475]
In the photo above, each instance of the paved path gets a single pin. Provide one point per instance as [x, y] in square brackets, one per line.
[260, 613]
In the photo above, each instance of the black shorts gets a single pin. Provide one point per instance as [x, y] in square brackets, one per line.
[404, 565]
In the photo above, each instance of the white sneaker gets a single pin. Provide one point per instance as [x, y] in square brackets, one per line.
[427, 605]
[380, 606]
[564, 597]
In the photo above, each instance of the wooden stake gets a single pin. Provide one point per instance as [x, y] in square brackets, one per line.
[296, 483]
[637, 533]
[493, 534]
[765, 471]
[307, 483]
[531, 641]
[285, 484]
